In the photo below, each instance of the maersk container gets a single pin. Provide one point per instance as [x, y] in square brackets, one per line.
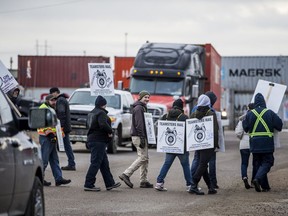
[61, 71]
[241, 73]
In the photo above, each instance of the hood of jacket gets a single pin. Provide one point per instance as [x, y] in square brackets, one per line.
[139, 103]
[175, 112]
[259, 101]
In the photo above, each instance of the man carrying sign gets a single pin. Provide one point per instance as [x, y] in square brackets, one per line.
[205, 155]
[260, 123]
[175, 114]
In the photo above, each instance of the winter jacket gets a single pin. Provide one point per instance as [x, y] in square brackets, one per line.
[99, 125]
[63, 113]
[261, 143]
[138, 123]
[203, 111]
[242, 135]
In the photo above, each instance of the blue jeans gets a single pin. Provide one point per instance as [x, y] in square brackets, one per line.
[68, 150]
[169, 159]
[263, 163]
[245, 155]
[49, 154]
[99, 160]
[212, 169]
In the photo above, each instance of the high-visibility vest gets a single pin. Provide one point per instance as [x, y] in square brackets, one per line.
[48, 130]
[260, 119]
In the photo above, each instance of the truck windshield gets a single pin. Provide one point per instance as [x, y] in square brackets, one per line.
[157, 86]
[85, 98]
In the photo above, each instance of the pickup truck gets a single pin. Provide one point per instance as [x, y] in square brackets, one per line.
[21, 170]
[118, 107]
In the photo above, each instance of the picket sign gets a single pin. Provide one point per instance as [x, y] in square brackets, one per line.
[59, 136]
[150, 132]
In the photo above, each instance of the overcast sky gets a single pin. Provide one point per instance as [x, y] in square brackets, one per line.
[94, 27]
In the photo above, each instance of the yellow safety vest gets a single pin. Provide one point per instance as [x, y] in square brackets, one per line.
[48, 130]
[260, 119]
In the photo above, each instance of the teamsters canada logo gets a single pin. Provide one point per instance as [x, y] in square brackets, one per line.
[199, 133]
[170, 136]
[101, 78]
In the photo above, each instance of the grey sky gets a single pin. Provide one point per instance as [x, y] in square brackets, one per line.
[247, 27]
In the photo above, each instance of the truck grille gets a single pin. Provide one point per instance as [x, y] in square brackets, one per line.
[156, 113]
[78, 119]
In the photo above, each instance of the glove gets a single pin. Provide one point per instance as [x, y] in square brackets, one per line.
[52, 137]
[142, 142]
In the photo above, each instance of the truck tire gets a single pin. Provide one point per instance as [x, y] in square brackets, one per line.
[112, 146]
[35, 204]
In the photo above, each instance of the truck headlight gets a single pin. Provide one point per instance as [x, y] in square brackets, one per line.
[224, 114]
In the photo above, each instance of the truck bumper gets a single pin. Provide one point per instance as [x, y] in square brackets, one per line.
[78, 138]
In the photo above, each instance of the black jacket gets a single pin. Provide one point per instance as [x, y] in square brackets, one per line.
[99, 125]
[138, 127]
[63, 113]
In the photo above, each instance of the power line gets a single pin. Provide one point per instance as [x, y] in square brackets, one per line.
[39, 7]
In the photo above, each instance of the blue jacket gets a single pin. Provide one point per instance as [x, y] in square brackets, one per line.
[261, 144]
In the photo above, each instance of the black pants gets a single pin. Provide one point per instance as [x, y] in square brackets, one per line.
[205, 156]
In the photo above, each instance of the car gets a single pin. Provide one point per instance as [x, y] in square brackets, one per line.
[118, 106]
[21, 169]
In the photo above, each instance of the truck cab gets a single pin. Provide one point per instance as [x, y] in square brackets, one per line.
[169, 71]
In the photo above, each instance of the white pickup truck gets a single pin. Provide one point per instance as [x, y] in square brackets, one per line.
[118, 107]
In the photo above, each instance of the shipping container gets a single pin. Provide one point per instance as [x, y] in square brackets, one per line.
[241, 73]
[239, 78]
[122, 67]
[61, 71]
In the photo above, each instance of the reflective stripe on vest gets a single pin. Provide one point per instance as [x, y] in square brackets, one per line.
[260, 119]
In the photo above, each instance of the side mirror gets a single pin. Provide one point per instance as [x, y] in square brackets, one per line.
[126, 109]
[39, 118]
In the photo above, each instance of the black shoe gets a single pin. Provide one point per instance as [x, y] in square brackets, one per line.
[126, 179]
[62, 182]
[266, 189]
[118, 184]
[146, 185]
[69, 168]
[247, 186]
[216, 186]
[257, 185]
[46, 183]
[194, 190]
[212, 191]
[95, 189]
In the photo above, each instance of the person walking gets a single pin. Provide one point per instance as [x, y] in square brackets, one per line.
[175, 114]
[48, 142]
[212, 162]
[98, 137]
[260, 123]
[139, 140]
[205, 155]
[63, 114]
[244, 147]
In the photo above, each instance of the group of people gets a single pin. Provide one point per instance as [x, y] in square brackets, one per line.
[255, 131]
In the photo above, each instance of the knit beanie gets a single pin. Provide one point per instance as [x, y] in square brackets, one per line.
[178, 103]
[203, 100]
[143, 93]
[212, 97]
[100, 101]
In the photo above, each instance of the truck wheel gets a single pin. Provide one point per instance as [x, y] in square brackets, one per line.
[35, 205]
[112, 146]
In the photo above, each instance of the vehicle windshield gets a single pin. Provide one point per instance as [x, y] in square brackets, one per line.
[85, 98]
[157, 86]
